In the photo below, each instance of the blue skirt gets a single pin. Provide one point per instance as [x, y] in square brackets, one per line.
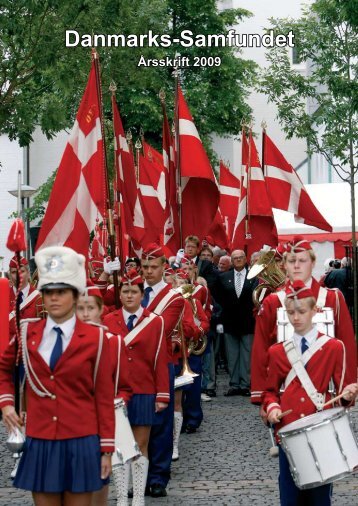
[141, 409]
[72, 465]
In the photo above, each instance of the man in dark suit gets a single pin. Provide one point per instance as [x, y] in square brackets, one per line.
[234, 294]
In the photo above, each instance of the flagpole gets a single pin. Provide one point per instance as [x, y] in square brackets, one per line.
[247, 222]
[177, 153]
[109, 209]
[263, 126]
[116, 193]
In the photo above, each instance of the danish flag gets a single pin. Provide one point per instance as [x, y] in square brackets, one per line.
[200, 192]
[285, 189]
[78, 196]
[255, 225]
[229, 197]
[127, 184]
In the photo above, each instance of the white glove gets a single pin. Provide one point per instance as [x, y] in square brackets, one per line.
[179, 257]
[220, 328]
[109, 267]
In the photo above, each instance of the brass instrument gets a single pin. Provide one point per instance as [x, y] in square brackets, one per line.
[41, 311]
[267, 270]
[186, 377]
[195, 347]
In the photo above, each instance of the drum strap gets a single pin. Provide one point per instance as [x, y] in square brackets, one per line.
[308, 354]
[306, 382]
[25, 303]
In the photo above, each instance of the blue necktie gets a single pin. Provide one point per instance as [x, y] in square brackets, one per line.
[304, 345]
[57, 349]
[145, 300]
[20, 297]
[130, 322]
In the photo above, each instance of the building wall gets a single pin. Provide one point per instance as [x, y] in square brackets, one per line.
[293, 149]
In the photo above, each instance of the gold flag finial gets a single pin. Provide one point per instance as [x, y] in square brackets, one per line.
[112, 87]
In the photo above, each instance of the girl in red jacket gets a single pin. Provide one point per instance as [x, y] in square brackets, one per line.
[69, 391]
[147, 359]
[89, 309]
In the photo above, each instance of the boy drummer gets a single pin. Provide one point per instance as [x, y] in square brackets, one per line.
[323, 358]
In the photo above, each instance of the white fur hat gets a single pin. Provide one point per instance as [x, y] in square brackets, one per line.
[60, 267]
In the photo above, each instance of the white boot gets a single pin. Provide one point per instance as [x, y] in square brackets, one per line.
[121, 480]
[178, 422]
[139, 475]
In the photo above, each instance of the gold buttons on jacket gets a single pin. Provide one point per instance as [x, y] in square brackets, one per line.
[130, 359]
[54, 418]
[53, 397]
[302, 415]
[303, 399]
[52, 377]
[130, 347]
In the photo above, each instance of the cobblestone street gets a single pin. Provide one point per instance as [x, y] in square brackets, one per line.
[226, 462]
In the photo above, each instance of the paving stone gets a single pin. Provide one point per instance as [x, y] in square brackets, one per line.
[225, 463]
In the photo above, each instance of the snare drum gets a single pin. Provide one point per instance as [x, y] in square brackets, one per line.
[320, 448]
[124, 442]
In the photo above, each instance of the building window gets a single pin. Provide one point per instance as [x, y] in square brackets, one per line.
[295, 59]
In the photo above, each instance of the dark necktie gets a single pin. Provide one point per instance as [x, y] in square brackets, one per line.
[130, 322]
[57, 349]
[20, 298]
[145, 300]
[304, 345]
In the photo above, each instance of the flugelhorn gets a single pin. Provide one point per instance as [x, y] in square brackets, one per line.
[266, 269]
[195, 347]
[186, 377]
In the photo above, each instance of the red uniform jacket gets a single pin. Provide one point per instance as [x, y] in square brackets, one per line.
[30, 310]
[78, 406]
[192, 329]
[202, 294]
[265, 336]
[171, 313]
[328, 362]
[147, 356]
[120, 368]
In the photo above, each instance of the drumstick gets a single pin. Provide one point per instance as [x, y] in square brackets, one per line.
[332, 401]
[284, 413]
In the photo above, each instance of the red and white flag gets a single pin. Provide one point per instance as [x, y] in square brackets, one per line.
[152, 186]
[229, 197]
[255, 225]
[131, 205]
[285, 189]
[78, 196]
[200, 192]
[171, 226]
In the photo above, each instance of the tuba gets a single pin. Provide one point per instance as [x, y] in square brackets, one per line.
[195, 347]
[267, 270]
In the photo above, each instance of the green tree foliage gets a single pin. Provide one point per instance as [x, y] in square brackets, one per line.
[41, 81]
[326, 39]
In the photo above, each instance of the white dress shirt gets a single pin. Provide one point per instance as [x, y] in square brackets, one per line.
[49, 336]
[155, 289]
[25, 291]
[311, 337]
[242, 275]
[138, 314]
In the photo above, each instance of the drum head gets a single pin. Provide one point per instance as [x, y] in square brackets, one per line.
[312, 420]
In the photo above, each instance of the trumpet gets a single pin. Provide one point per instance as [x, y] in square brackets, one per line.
[266, 269]
[186, 377]
[195, 347]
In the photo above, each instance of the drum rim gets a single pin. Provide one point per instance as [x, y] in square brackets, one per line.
[320, 483]
[341, 411]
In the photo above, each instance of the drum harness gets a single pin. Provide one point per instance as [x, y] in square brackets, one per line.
[298, 369]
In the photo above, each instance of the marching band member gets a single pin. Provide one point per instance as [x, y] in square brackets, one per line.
[132, 263]
[147, 358]
[30, 298]
[161, 299]
[322, 358]
[69, 391]
[187, 400]
[299, 261]
[201, 292]
[89, 309]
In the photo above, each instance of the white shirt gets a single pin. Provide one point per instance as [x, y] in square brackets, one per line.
[138, 314]
[25, 291]
[155, 289]
[311, 337]
[49, 336]
[242, 275]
